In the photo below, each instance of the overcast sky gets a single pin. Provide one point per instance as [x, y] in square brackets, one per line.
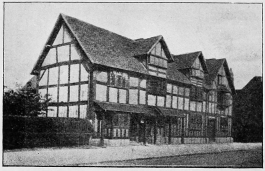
[231, 31]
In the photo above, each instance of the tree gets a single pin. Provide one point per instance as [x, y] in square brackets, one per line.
[24, 102]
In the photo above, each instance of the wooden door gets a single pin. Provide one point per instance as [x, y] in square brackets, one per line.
[211, 129]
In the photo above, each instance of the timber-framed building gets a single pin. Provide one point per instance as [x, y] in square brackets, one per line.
[134, 90]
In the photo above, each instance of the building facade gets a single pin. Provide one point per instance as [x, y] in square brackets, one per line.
[134, 90]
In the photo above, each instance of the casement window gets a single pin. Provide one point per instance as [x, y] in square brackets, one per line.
[196, 93]
[223, 124]
[160, 62]
[176, 127]
[156, 86]
[224, 100]
[118, 79]
[195, 122]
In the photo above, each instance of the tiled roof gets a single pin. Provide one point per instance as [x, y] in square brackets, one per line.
[174, 74]
[118, 107]
[185, 60]
[107, 48]
[213, 66]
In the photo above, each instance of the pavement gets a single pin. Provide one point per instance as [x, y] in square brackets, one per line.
[93, 155]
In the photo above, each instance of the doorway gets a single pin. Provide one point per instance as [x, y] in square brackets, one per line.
[211, 129]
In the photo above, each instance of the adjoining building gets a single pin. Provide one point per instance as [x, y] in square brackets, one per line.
[248, 112]
[134, 90]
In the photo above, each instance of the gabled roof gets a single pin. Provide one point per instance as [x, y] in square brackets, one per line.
[214, 66]
[174, 74]
[104, 47]
[185, 61]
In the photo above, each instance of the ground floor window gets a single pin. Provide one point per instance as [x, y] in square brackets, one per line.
[195, 125]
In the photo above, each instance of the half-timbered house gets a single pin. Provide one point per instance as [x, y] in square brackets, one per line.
[134, 90]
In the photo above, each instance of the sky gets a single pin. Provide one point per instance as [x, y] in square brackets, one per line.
[232, 31]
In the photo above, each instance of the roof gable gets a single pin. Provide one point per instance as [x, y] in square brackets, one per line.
[214, 66]
[187, 60]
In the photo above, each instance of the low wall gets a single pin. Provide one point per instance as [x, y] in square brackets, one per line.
[110, 142]
[223, 139]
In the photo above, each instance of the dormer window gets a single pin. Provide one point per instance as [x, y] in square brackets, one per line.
[158, 57]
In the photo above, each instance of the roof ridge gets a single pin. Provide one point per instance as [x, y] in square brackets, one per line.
[97, 27]
[188, 53]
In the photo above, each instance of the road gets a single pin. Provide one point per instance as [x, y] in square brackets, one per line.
[234, 159]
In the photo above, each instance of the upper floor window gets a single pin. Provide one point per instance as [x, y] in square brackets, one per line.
[158, 57]
[157, 86]
[196, 93]
[224, 100]
[197, 70]
[118, 79]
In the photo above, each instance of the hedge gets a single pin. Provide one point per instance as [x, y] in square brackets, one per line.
[29, 132]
